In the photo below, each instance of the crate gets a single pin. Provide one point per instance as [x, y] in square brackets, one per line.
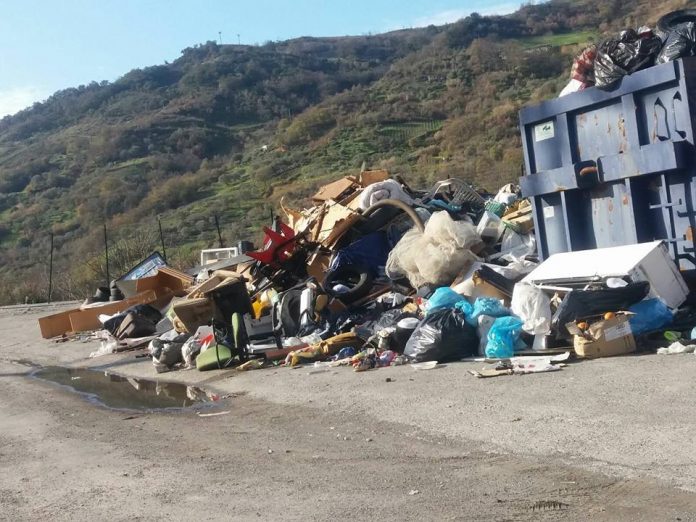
[610, 168]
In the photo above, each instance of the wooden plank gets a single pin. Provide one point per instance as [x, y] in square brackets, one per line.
[87, 319]
[56, 324]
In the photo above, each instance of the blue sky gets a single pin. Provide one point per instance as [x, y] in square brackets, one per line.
[49, 45]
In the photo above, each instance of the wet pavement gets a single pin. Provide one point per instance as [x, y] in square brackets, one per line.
[125, 393]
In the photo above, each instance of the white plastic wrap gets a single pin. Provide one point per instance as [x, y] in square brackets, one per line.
[534, 308]
[516, 245]
[435, 256]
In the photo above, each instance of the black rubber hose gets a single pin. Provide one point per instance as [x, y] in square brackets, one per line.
[417, 221]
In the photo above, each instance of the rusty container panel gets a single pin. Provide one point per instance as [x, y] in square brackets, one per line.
[637, 144]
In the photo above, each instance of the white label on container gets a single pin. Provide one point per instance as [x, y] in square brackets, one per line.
[549, 212]
[618, 331]
[544, 131]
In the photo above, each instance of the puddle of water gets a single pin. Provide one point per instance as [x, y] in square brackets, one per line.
[125, 393]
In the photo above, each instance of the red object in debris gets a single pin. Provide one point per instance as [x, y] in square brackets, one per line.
[277, 246]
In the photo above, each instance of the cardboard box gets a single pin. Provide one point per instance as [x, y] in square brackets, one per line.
[608, 338]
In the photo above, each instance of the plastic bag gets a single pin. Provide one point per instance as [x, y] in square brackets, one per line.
[650, 315]
[532, 306]
[618, 57]
[503, 336]
[442, 298]
[518, 267]
[442, 336]
[485, 322]
[465, 307]
[486, 306]
[681, 42]
[517, 245]
[435, 256]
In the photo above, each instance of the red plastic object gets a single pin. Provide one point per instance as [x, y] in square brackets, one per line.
[277, 246]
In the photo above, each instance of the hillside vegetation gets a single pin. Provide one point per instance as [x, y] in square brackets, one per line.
[227, 130]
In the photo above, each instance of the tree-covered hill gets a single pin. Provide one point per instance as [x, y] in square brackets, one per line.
[227, 130]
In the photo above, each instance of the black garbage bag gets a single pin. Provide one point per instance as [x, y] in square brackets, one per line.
[580, 304]
[681, 42]
[442, 336]
[619, 57]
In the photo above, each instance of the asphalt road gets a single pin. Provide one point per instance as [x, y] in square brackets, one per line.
[609, 439]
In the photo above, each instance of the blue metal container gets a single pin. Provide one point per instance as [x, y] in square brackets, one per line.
[615, 168]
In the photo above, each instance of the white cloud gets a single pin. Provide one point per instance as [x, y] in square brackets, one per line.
[452, 15]
[15, 99]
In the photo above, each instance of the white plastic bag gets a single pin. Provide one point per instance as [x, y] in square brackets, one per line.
[435, 256]
[534, 308]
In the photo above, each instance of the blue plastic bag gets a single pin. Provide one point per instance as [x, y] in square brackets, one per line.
[442, 299]
[465, 307]
[651, 315]
[503, 336]
[486, 306]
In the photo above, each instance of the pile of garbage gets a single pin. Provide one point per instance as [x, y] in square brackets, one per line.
[376, 274]
[604, 65]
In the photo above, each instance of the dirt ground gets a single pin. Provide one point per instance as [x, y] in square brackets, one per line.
[610, 439]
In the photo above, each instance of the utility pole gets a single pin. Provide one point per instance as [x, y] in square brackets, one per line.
[217, 226]
[239, 40]
[106, 255]
[50, 271]
[220, 37]
[164, 252]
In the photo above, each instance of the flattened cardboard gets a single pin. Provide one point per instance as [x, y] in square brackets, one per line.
[334, 190]
[336, 222]
[369, 177]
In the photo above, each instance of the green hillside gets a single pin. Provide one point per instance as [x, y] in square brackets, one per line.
[227, 130]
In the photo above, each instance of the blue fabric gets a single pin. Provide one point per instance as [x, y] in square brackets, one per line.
[370, 252]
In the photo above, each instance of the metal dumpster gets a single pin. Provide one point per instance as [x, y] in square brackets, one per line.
[615, 168]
